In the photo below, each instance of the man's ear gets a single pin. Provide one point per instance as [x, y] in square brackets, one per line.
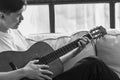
[1, 15]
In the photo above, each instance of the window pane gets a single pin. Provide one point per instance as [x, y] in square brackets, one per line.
[70, 18]
[117, 15]
[36, 20]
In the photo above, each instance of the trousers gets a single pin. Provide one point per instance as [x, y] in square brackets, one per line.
[89, 68]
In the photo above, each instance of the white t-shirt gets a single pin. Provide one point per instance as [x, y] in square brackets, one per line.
[13, 40]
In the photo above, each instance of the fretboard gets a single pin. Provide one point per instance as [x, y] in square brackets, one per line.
[61, 51]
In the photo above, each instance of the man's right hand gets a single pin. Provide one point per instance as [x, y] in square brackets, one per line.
[35, 71]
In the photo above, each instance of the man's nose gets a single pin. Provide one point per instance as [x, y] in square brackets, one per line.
[21, 17]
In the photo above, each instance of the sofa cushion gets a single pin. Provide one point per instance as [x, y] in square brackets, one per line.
[108, 49]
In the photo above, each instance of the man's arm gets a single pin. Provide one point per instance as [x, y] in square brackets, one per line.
[56, 43]
[12, 75]
[61, 41]
[31, 71]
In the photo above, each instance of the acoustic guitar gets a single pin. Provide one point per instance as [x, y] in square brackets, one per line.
[11, 60]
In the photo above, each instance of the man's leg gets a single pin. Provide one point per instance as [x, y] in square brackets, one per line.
[89, 68]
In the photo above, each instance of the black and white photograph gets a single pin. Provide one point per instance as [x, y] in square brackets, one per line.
[59, 39]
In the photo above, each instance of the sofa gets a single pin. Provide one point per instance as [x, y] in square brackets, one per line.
[106, 48]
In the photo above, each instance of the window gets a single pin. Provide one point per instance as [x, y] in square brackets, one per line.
[117, 15]
[74, 17]
[69, 18]
[36, 20]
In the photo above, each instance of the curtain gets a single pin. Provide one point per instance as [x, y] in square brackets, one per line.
[75, 17]
[36, 20]
[117, 17]
[69, 18]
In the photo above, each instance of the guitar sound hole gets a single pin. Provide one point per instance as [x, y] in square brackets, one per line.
[12, 66]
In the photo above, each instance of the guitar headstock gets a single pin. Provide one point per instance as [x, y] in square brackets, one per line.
[98, 32]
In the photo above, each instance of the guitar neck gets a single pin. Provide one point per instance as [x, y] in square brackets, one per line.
[61, 51]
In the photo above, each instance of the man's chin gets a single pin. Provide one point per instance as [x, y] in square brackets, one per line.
[15, 27]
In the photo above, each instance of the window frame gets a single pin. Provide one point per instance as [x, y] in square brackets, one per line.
[52, 3]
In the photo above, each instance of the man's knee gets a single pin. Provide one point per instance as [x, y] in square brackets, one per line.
[90, 61]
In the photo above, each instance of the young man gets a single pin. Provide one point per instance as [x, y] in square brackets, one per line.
[89, 68]
[10, 17]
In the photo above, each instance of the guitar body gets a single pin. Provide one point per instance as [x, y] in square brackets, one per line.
[21, 58]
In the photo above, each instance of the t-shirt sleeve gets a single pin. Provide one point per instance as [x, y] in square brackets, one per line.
[4, 46]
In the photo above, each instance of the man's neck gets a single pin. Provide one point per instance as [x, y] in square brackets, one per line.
[3, 29]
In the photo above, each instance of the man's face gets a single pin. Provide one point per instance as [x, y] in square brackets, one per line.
[13, 20]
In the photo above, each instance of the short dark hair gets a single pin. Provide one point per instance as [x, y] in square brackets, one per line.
[9, 6]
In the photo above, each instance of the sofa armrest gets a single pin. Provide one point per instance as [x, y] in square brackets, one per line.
[108, 50]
